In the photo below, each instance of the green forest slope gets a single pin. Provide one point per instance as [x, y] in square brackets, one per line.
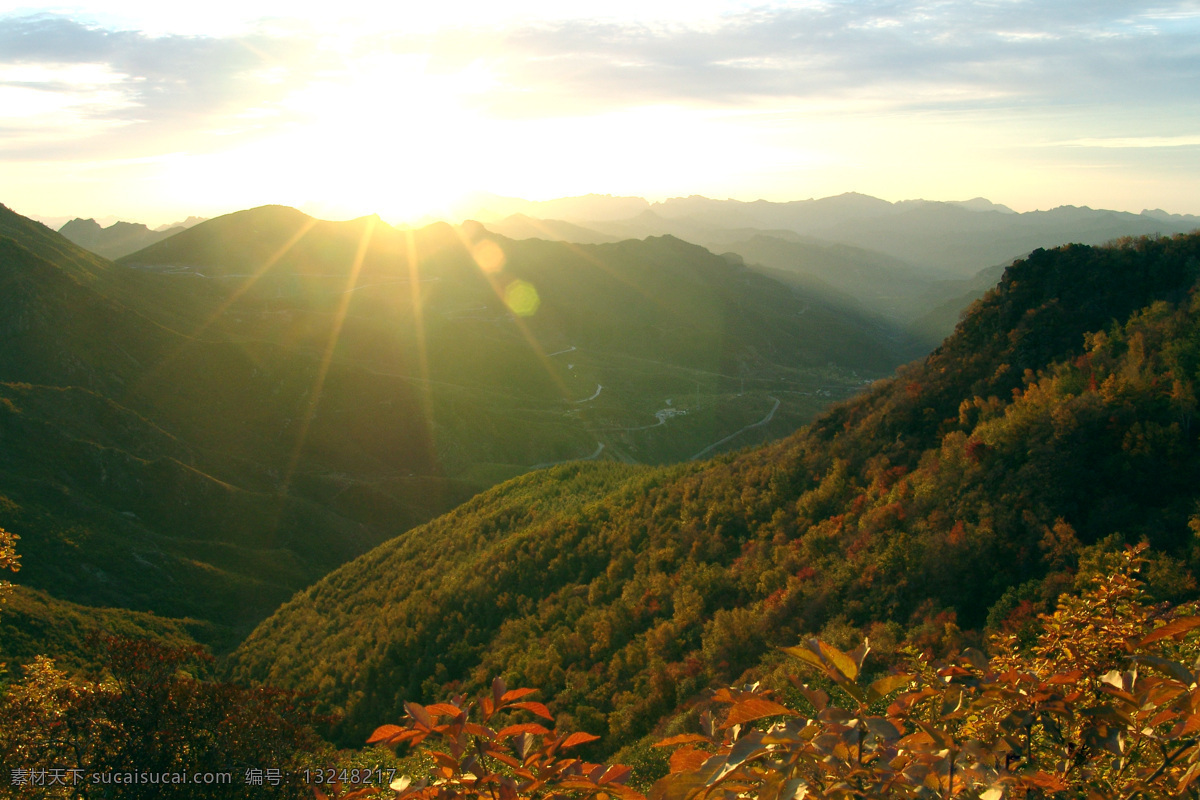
[1057, 419]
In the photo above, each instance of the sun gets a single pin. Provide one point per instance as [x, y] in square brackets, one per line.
[387, 135]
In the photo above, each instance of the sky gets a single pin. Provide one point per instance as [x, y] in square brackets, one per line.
[151, 111]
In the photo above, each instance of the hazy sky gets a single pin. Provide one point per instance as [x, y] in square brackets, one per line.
[154, 110]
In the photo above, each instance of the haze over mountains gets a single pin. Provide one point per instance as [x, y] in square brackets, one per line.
[119, 238]
[950, 239]
[916, 263]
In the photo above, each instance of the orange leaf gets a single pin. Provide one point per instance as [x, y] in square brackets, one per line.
[1070, 678]
[384, 732]
[578, 738]
[444, 709]
[617, 773]
[755, 708]
[515, 730]
[479, 730]
[505, 757]
[723, 695]
[418, 713]
[515, 694]
[1175, 628]
[1189, 724]
[1048, 781]
[536, 708]
[684, 738]
[686, 759]
[624, 792]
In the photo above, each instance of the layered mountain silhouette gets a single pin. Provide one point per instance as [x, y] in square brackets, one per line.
[916, 263]
[214, 422]
[120, 238]
[1055, 424]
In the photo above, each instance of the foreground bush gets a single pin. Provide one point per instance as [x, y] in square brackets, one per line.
[149, 729]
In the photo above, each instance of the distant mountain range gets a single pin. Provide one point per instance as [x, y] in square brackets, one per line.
[916, 263]
[943, 239]
[120, 238]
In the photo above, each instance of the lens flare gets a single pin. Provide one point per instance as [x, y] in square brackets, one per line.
[522, 298]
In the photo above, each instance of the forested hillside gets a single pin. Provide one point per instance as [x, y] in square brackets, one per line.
[217, 421]
[964, 493]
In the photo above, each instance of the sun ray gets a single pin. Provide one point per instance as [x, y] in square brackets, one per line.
[418, 320]
[194, 336]
[308, 225]
[339, 318]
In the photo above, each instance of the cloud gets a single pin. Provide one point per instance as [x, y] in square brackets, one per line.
[1065, 52]
[914, 55]
[161, 84]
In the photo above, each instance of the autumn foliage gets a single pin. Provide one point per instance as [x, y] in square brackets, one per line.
[9, 560]
[1104, 703]
[149, 714]
[475, 754]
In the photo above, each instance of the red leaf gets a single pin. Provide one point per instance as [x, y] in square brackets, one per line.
[1175, 628]
[578, 738]
[536, 708]
[755, 708]
[514, 730]
[617, 773]
[687, 759]
[515, 694]
[505, 757]
[444, 709]
[418, 713]
[479, 730]
[384, 732]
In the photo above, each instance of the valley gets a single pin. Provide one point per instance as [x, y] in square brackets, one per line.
[256, 400]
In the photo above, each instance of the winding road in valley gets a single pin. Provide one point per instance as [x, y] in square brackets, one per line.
[595, 454]
[770, 416]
